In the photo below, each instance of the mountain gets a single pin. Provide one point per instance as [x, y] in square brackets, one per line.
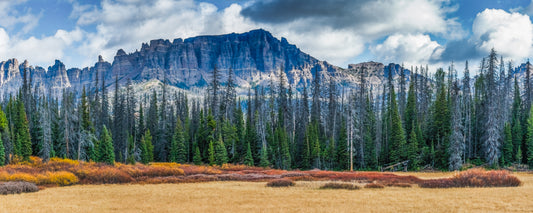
[255, 58]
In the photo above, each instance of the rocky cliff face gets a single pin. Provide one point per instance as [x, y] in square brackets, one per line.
[255, 57]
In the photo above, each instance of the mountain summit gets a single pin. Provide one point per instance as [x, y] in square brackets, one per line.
[255, 57]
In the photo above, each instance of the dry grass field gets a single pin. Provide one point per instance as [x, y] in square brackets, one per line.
[255, 197]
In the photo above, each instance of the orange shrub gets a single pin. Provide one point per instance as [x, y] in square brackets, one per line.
[59, 164]
[102, 175]
[151, 171]
[193, 169]
[165, 164]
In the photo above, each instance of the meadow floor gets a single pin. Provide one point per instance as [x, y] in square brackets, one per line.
[255, 197]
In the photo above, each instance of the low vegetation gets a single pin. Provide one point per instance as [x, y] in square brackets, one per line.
[475, 178]
[337, 185]
[17, 187]
[374, 186]
[65, 172]
[280, 183]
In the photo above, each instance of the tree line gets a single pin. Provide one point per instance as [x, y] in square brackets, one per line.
[439, 121]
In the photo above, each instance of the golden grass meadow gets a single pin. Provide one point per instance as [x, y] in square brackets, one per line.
[305, 196]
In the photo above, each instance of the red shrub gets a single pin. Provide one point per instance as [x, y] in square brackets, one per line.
[475, 178]
[482, 178]
[437, 183]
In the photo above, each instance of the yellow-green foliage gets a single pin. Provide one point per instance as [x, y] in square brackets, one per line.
[56, 178]
[6, 177]
[62, 178]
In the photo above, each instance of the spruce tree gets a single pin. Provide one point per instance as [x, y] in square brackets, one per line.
[177, 149]
[144, 151]
[107, 152]
[341, 150]
[264, 158]
[248, 158]
[149, 146]
[2, 152]
[130, 150]
[211, 153]
[221, 155]
[517, 132]
[507, 154]
[529, 139]
[412, 149]
[440, 128]
[197, 159]
[397, 143]
[410, 110]
[23, 132]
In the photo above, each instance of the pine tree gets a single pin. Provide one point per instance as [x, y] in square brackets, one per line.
[177, 148]
[341, 150]
[529, 139]
[149, 146]
[107, 152]
[2, 152]
[440, 127]
[517, 132]
[221, 155]
[491, 136]
[410, 110]
[507, 154]
[211, 153]
[144, 152]
[248, 158]
[398, 142]
[264, 159]
[131, 150]
[197, 159]
[23, 132]
[456, 138]
[412, 149]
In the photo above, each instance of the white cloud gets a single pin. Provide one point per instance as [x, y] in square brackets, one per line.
[11, 18]
[127, 24]
[413, 49]
[510, 34]
[39, 51]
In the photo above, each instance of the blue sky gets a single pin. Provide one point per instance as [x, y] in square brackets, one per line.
[414, 32]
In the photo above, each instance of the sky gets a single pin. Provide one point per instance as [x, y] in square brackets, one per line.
[342, 32]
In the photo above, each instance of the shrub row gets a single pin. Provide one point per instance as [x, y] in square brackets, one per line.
[475, 178]
[54, 178]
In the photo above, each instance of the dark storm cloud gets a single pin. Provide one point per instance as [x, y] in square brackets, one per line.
[335, 13]
[459, 50]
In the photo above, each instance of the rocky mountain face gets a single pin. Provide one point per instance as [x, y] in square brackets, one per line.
[255, 57]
